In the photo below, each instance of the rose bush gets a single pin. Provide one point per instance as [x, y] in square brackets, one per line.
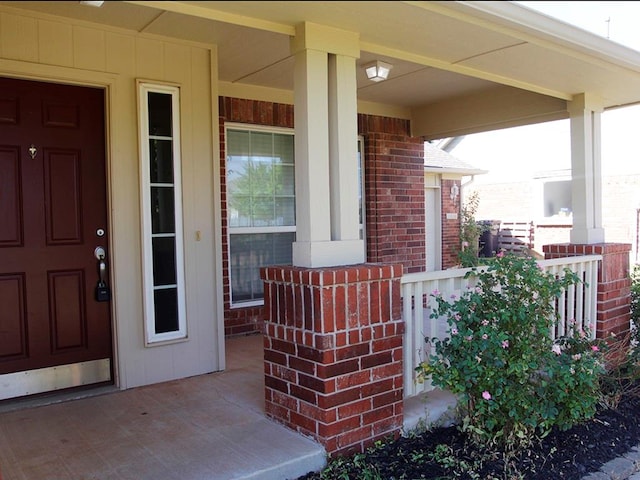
[514, 382]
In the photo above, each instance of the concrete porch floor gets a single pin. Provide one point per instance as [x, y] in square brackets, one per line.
[209, 427]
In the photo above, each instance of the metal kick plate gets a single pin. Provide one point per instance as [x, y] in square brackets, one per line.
[49, 379]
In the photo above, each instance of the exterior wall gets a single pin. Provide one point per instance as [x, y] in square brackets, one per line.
[450, 225]
[40, 47]
[394, 191]
[248, 319]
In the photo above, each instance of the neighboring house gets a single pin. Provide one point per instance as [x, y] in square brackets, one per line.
[541, 200]
[443, 174]
[151, 168]
[548, 194]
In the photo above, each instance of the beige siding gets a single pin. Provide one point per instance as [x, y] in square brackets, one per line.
[55, 43]
[18, 37]
[89, 49]
[45, 49]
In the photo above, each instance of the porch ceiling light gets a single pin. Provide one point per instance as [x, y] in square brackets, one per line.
[92, 3]
[377, 71]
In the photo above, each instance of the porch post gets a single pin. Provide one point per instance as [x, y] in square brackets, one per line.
[326, 147]
[333, 352]
[586, 169]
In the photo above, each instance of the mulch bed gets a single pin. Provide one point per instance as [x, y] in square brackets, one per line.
[569, 454]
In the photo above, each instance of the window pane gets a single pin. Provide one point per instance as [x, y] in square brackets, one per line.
[162, 210]
[259, 171]
[284, 179]
[285, 212]
[262, 146]
[161, 161]
[261, 178]
[249, 252]
[238, 175]
[283, 148]
[166, 310]
[159, 114]
[164, 261]
[263, 211]
[237, 143]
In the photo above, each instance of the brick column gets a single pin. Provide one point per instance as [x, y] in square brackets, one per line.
[614, 283]
[333, 352]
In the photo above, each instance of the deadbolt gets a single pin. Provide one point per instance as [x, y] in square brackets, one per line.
[100, 253]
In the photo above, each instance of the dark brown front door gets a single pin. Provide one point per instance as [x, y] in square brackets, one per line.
[53, 215]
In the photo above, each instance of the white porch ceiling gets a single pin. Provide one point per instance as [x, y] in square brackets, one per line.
[441, 51]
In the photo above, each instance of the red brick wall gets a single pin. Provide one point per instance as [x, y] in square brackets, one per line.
[243, 320]
[394, 192]
[333, 353]
[450, 226]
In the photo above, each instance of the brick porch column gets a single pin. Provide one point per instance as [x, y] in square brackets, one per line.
[333, 352]
[614, 283]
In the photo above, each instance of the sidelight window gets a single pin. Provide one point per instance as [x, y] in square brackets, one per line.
[159, 108]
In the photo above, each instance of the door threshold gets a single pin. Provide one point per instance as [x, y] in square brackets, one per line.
[52, 398]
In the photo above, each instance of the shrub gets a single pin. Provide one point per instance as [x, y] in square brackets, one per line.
[635, 295]
[513, 380]
[470, 231]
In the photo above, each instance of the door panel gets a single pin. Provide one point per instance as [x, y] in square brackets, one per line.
[52, 202]
[10, 197]
[13, 321]
[67, 310]
[63, 197]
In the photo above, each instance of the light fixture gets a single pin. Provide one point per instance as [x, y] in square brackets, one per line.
[92, 3]
[454, 192]
[377, 71]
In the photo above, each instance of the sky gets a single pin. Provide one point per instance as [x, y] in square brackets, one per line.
[546, 146]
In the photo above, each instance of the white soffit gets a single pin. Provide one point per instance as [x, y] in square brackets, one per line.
[486, 41]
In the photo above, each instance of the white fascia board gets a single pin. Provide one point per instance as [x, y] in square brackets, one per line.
[547, 31]
[460, 171]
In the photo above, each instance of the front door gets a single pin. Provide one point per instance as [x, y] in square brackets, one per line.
[53, 215]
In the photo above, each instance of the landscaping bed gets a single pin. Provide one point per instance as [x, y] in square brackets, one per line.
[445, 453]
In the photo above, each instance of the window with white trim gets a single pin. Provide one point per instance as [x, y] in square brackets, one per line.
[261, 207]
[260, 174]
[557, 198]
[160, 173]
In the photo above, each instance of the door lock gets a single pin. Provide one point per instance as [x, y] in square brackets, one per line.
[103, 292]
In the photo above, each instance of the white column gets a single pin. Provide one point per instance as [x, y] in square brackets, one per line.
[326, 147]
[313, 222]
[343, 147]
[586, 170]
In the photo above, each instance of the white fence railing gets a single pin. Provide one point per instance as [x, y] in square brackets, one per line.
[576, 303]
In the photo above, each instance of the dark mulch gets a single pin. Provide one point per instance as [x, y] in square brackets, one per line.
[568, 455]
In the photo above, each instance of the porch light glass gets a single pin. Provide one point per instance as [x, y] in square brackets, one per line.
[377, 71]
[92, 3]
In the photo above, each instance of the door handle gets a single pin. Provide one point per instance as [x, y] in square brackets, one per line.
[103, 293]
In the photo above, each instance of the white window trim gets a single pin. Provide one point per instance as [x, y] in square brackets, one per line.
[151, 337]
[433, 252]
[249, 230]
[363, 200]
